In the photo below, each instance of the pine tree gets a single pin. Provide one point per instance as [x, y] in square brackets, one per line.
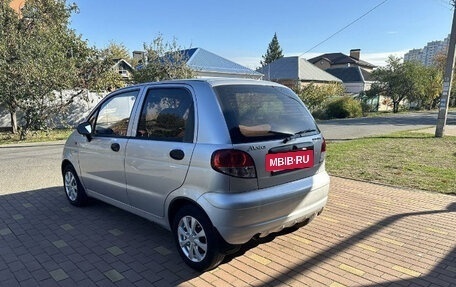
[273, 53]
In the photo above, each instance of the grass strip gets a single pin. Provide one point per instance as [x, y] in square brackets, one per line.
[409, 159]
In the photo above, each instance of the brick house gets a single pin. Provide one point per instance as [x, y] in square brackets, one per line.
[340, 60]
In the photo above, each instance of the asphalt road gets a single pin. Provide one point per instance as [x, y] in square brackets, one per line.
[27, 167]
[361, 127]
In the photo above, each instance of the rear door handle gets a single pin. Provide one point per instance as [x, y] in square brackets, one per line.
[115, 147]
[177, 154]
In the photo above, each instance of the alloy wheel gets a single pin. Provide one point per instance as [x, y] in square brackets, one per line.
[192, 238]
[71, 186]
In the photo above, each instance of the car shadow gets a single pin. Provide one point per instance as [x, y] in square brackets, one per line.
[441, 275]
[99, 244]
[433, 277]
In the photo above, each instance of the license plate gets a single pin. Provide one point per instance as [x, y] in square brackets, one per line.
[289, 160]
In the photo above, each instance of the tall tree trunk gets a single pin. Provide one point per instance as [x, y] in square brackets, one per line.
[395, 106]
[13, 122]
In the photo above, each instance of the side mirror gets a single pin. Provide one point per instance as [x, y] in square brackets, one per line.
[85, 129]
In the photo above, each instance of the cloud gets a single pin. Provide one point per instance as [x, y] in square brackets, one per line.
[249, 62]
[379, 59]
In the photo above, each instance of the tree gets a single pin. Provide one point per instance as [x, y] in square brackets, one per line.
[388, 81]
[274, 52]
[40, 58]
[9, 21]
[399, 81]
[432, 87]
[107, 78]
[96, 74]
[165, 61]
[439, 63]
[116, 51]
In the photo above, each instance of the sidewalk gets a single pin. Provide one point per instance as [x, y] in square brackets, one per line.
[369, 235]
[450, 130]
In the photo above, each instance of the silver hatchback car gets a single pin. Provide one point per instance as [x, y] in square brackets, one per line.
[216, 161]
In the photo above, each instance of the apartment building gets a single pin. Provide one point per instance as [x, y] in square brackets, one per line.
[427, 54]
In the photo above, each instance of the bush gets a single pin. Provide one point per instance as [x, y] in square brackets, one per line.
[344, 107]
[316, 97]
[320, 114]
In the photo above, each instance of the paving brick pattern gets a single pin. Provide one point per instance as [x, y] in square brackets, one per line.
[369, 235]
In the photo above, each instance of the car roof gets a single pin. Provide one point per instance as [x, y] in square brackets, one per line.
[212, 81]
[234, 81]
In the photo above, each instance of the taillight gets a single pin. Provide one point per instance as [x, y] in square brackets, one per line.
[233, 162]
[323, 150]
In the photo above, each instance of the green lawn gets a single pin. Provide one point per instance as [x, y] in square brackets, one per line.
[36, 136]
[408, 159]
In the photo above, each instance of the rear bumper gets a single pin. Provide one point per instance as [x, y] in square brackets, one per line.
[239, 217]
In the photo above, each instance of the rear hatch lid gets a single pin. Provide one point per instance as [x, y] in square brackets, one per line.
[274, 127]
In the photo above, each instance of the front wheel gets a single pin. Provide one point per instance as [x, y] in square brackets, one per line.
[196, 239]
[73, 187]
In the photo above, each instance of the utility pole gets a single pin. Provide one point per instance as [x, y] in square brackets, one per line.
[447, 79]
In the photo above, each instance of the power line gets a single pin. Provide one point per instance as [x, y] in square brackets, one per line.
[345, 27]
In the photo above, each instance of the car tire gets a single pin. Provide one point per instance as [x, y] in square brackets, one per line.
[73, 188]
[196, 239]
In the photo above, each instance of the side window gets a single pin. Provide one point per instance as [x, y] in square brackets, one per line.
[114, 115]
[167, 115]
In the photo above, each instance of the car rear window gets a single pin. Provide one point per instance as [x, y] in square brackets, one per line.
[258, 113]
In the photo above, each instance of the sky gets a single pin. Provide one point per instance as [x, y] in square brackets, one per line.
[241, 30]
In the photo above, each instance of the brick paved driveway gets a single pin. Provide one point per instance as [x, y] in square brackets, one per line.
[369, 235]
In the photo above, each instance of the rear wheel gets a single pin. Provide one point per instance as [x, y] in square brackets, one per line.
[196, 239]
[73, 187]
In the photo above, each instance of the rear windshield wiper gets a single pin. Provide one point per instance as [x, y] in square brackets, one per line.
[298, 135]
